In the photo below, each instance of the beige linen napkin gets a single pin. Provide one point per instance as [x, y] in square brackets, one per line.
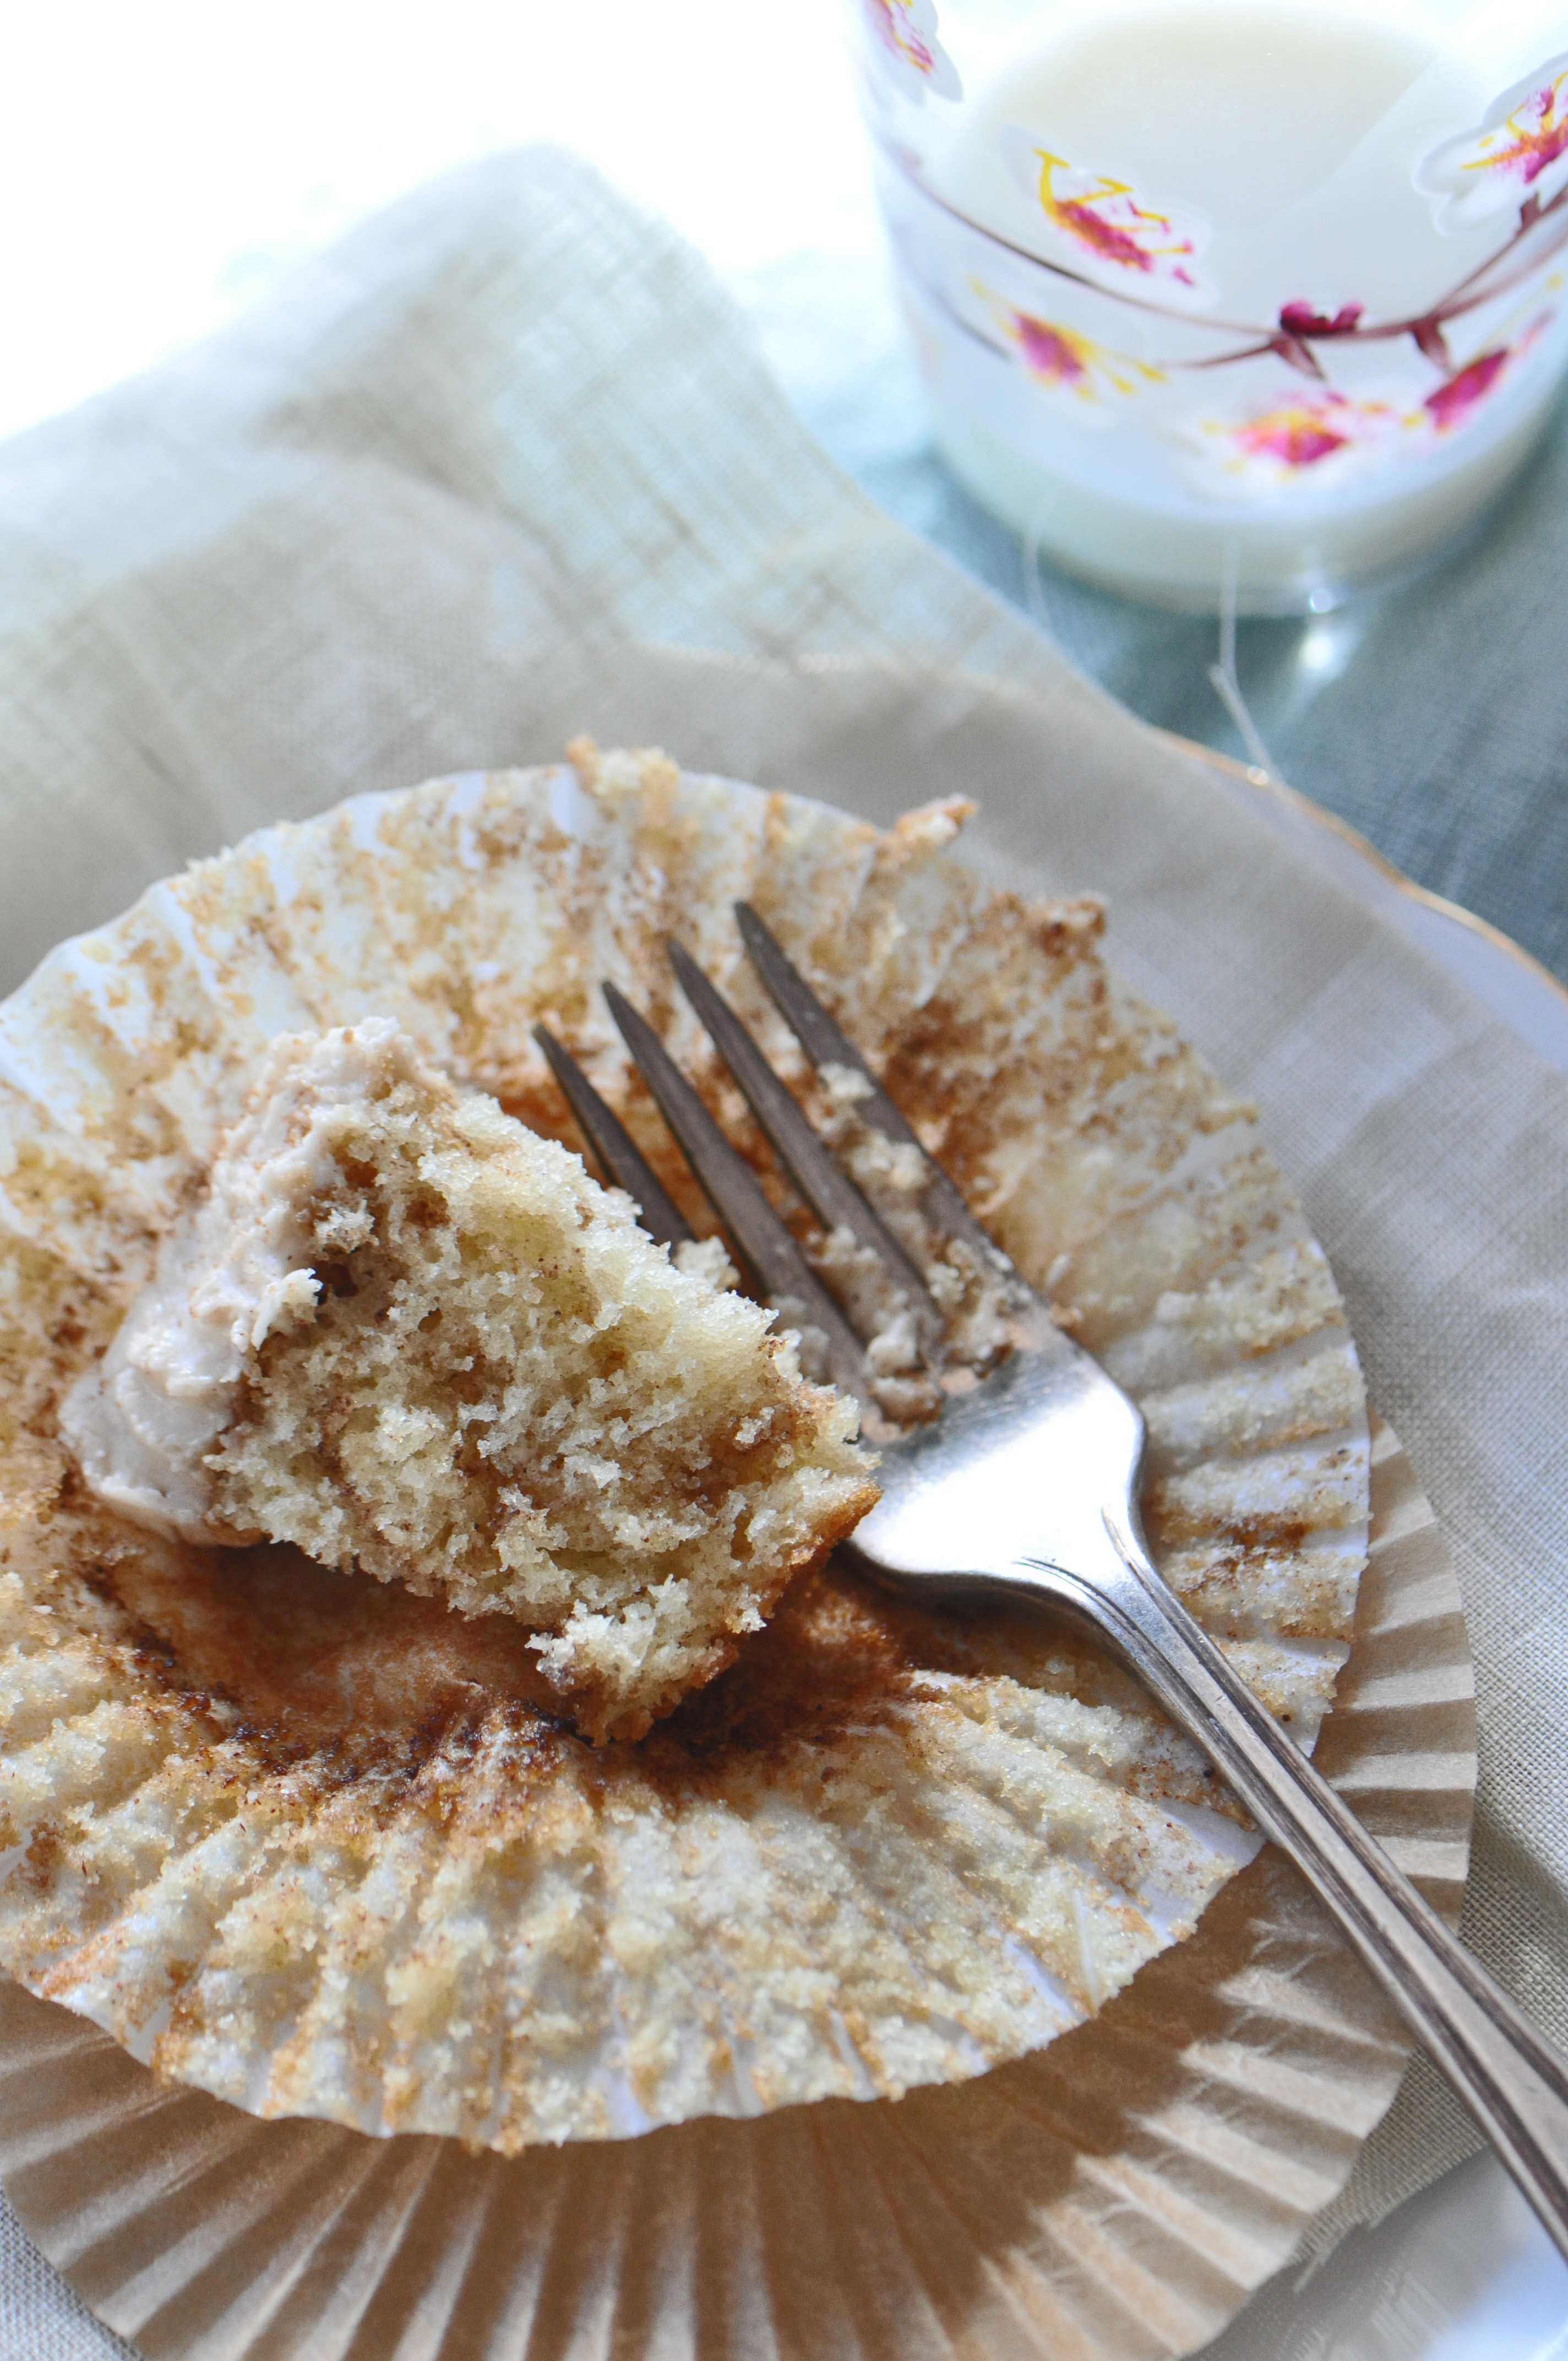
[396, 521]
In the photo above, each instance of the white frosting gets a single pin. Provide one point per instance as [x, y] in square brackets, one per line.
[144, 1421]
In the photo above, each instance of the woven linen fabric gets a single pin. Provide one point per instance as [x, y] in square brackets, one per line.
[41, 2317]
[401, 518]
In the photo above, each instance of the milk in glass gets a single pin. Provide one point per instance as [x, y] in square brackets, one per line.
[1211, 288]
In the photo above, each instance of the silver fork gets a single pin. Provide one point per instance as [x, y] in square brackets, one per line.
[1026, 1486]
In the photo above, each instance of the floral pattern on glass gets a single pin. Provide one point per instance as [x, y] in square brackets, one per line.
[1515, 158]
[1314, 436]
[1106, 221]
[1270, 448]
[1451, 404]
[1061, 357]
[905, 34]
[1097, 303]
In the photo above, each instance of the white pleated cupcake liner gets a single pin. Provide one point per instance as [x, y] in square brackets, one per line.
[1117, 2196]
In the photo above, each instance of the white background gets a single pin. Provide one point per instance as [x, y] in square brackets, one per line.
[161, 162]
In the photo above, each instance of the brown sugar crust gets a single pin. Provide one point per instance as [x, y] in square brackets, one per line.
[324, 1847]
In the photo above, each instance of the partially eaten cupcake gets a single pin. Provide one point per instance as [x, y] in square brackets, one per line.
[405, 1334]
[321, 1847]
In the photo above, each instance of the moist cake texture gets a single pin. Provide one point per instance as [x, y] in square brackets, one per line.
[411, 1336]
[318, 1844]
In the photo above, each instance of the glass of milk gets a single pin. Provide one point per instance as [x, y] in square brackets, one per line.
[1261, 297]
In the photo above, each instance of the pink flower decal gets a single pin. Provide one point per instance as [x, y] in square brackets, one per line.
[1106, 221]
[1299, 441]
[1054, 353]
[1056, 356]
[905, 33]
[1301, 320]
[1454, 399]
[1517, 153]
[1451, 403]
[1299, 434]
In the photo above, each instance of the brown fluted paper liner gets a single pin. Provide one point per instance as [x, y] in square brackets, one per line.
[1119, 2194]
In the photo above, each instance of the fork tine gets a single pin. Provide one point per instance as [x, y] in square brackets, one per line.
[732, 1189]
[614, 1148]
[825, 1045]
[831, 1194]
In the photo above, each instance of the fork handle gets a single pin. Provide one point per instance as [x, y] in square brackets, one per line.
[1514, 2082]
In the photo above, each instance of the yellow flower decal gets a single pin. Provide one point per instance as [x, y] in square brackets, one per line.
[1106, 220]
[1059, 355]
[1515, 157]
